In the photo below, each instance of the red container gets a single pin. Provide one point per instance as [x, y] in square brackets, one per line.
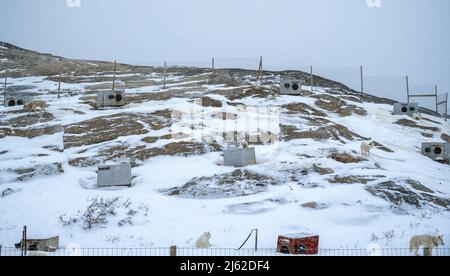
[298, 244]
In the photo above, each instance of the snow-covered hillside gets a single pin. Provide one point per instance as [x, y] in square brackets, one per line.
[310, 175]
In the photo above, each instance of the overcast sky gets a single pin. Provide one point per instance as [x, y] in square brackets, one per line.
[400, 37]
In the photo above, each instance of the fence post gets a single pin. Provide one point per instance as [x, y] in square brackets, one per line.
[24, 241]
[173, 251]
[312, 78]
[362, 80]
[427, 252]
[407, 87]
[59, 83]
[213, 65]
[114, 76]
[0, 250]
[446, 107]
[436, 93]
[5, 87]
[256, 239]
[260, 74]
[165, 73]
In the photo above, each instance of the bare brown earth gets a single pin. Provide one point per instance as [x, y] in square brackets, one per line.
[353, 179]
[237, 183]
[240, 93]
[322, 171]
[445, 137]
[333, 131]
[28, 119]
[208, 102]
[338, 106]
[409, 192]
[103, 129]
[25, 174]
[412, 124]
[346, 158]
[141, 153]
[302, 108]
[30, 132]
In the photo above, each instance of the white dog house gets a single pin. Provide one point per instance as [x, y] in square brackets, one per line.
[239, 157]
[114, 175]
[406, 108]
[111, 98]
[290, 87]
[18, 100]
[437, 151]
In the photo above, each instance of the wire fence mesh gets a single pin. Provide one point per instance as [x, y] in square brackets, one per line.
[217, 252]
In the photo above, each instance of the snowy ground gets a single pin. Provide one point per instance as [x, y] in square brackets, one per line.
[347, 216]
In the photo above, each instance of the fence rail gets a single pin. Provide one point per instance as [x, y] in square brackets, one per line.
[212, 252]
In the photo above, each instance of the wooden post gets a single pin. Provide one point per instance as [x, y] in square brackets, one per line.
[59, 83]
[256, 239]
[24, 241]
[165, 73]
[114, 76]
[362, 79]
[312, 79]
[173, 251]
[213, 65]
[5, 87]
[446, 106]
[436, 93]
[407, 87]
[260, 70]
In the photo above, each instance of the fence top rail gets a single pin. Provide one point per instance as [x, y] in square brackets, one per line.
[216, 248]
[422, 95]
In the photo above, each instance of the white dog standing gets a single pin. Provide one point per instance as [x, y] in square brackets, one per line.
[366, 148]
[428, 243]
[203, 241]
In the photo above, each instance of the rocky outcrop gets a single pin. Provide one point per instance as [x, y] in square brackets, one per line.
[409, 192]
[235, 184]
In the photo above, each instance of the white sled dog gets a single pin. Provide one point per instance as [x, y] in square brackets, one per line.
[203, 241]
[34, 105]
[428, 242]
[417, 117]
[244, 144]
[366, 148]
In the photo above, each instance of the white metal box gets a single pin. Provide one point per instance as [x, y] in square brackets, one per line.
[290, 87]
[114, 175]
[406, 108]
[111, 98]
[14, 100]
[239, 157]
[437, 151]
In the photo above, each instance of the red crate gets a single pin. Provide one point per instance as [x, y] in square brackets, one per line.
[298, 244]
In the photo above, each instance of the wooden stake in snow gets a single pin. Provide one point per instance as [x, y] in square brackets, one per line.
[436, 93]
[114, 76]
[213, 67]
[362, 80]
[24, 241]
[407, 88]
[260, 73]
[173, 251]
[312, 78]
[164, 75]
[59, 83]
[4, 88]
[446, 107]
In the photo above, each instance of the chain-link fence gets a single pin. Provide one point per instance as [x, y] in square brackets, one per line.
[188, 252]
